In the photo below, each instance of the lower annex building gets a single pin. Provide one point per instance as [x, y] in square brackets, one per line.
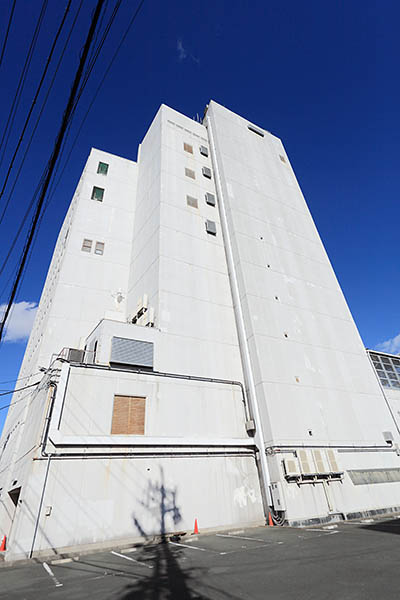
[200, 360]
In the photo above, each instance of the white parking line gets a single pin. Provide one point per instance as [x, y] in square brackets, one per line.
[238, 537]
[244, 549]
[50, 572]
[132, 559]
[191, 547]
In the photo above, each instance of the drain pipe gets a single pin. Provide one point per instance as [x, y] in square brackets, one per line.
[243, 345]
[52, 394]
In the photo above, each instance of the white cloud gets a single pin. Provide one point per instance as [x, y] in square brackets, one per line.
[391, 346]
[20, 320]
[182, 54]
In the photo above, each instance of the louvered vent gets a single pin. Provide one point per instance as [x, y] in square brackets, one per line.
[319, 461]
[131, 352]
[304, 463]
[333, 466]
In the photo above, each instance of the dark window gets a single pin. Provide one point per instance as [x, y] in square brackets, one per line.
[98, 193]
[102, 168]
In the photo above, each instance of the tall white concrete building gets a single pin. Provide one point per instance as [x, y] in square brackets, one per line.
[200, 359]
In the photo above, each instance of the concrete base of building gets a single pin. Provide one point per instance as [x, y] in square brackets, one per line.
[119, 544]
[335, 517]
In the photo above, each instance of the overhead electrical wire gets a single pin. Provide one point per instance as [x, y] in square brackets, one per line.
[32, 136]
[53, 159]
[94, 56]
[33, 103]
[110, 64]
[3, 49]
[91, 63]
[21, 83]
[19, 389]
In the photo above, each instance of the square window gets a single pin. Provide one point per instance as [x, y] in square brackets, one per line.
[99, 248]
[204, 150]
[86, 245]
[102, 168]
[192, 201]
[211, 227]
[210, 199]
[190, 173]
[188, 148]
[128, 415]
[206, 172]
[98, 193]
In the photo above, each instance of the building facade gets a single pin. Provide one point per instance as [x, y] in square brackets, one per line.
[198, 358]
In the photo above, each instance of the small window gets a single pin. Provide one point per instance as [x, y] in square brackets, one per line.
[210, 199]
[204, 150]
[99, 248]
[255, 130]
[190, 173]
[98, 194]
[128, 415]
[102, 168]
[188, 148]
[283, 159]
[211, 227]
[206, 172]
[86, 245]
[192, 201]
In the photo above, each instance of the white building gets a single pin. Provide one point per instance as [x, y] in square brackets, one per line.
[217, 369]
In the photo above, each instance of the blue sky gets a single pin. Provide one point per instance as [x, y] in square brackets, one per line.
[323, 76]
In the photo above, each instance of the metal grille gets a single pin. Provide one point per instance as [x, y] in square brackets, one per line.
[388, 370]
[131, 352]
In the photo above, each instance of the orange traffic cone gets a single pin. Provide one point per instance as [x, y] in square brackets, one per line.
[3, 544]
[196, 527]
[270, 521]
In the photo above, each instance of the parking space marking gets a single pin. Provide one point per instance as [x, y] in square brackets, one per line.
[132, 559]
[238, 537]
[191, 547]
[61, 561]
[127, 550]
[50, 572]
[244, 549]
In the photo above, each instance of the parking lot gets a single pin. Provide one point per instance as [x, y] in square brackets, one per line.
[347, 561]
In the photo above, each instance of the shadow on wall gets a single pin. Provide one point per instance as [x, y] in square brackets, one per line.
[169, 579]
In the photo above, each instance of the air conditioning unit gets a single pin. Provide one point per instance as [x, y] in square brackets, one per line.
[333, 466]
[74, 355]
[291, 467]
[277, 496]
[320, 462]
[305, 464]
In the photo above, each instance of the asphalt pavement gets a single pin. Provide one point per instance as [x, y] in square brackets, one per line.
[348, 561]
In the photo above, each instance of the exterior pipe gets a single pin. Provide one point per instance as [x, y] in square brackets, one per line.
[265, 479]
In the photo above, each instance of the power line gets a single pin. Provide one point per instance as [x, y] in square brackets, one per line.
[21, 83]
[53, 158]
[18, 390]
[7, 32]
[94, 57]
[19, 378]
[39, 87]
[135, 14]
[32, 135]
